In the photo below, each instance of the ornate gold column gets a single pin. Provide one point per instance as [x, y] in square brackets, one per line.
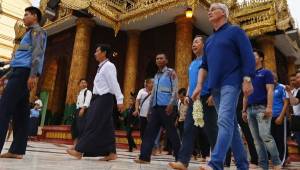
[183, 49]
[291, 65]
[131, 64]
[48, 83]
[267, 45]
[79, 59]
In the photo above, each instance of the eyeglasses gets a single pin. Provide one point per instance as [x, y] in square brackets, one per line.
[213, 9]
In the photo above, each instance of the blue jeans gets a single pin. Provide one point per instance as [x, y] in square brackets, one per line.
[226, 99]
[261, 131]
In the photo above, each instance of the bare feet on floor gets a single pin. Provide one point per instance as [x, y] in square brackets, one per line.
[177, 165]
[110, 157]
[278, 167]
[139, 161]
[253, 166]
[74, 153]
[205, 167]
[11, 155]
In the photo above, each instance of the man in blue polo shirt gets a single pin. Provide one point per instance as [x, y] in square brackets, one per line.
[210, 114]
[228, 63]
[26, 65]
[257, 108]
[278, 124]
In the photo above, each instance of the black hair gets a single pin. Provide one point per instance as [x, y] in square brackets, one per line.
[164, 54]
[260, 53]
[133, 94]
[36, 11]
[106, 48]
[82, 79]
[293, 75]
[182, 91]
[203, 38]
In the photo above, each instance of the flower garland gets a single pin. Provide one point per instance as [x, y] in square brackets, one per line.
[198, 113]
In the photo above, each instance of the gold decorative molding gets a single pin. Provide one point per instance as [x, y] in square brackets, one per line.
[118, 12]
[256, 17]
[64, 14]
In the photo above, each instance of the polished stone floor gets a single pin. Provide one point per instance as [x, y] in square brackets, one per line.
[45, 156]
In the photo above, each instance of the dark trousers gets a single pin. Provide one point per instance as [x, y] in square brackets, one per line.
[181, 129]
[201, 144]
[210, 121]
[130, 139]
[157, 119]
[143, 125]
[277, 132]
[33, 126]
[14, 104]
[190, 130]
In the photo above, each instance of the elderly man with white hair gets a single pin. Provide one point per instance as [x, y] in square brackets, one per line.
[229, 65]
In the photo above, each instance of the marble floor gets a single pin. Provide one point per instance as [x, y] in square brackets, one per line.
[45, 156]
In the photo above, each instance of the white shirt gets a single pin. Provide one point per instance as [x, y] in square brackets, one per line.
[296, 108]
[182, 108]
[39, 102]
[106, 81]
[144, 109]
[83, 101]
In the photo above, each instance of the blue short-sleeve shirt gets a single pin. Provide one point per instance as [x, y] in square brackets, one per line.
[261, 79]
[279, 96]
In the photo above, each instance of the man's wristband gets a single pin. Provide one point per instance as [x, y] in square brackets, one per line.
[247, 79]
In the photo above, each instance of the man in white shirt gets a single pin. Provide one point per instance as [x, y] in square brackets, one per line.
[142, 105]
[38, 102]
[83, 102]
[294, 97]
[98, 137]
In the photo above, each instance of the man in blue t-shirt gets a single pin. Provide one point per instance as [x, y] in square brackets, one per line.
[257, 108]
[278, 124]
[210, 114]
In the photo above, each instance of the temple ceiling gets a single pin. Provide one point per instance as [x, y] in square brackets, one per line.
[256, 17]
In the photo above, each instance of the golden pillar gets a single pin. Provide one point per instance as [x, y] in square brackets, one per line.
[183, 49]
[50, 79]
[291, 65]
[79, 61]
[267, 45]
[131, 64]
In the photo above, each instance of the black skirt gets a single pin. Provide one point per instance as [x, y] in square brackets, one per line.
[98, 137]
[78, 124]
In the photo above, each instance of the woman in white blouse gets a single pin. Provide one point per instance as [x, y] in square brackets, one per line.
[98, 137]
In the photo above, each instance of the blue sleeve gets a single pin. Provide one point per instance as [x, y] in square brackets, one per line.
[284, 95]
[246, 52]
[204, 64]
[269, 79]
[38, 49]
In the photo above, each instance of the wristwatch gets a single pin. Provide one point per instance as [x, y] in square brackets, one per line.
[247, 79]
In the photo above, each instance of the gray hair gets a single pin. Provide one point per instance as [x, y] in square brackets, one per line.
[223, 7]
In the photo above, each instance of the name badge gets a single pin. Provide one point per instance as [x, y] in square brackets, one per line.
[24, 47]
